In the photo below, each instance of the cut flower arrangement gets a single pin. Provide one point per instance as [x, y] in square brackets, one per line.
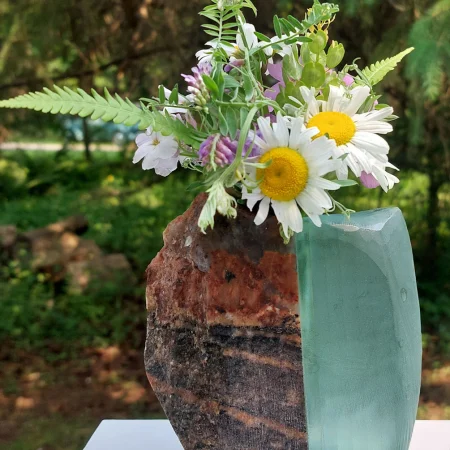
[270, 122]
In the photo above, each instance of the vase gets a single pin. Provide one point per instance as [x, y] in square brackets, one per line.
[362, 346]
[225, 353]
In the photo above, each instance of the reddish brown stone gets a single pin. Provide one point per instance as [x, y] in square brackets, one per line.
[223, 349]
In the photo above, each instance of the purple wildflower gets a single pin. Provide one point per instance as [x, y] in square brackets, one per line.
[196, 85]
[225, 150]
[276, 72]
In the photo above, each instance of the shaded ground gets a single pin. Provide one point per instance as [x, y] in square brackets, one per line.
[435, 392]
[58, 405]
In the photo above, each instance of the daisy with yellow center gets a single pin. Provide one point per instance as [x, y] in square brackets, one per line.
[356, 135]
[293, 179]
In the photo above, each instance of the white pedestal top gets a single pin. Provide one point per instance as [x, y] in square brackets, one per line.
[159, 435]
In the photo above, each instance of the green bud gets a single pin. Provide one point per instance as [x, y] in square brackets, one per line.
[335, 54]
[319, 41]
[313, 75]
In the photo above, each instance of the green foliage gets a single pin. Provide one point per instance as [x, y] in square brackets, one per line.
[127, 213]
[67, 101]
[430, 35]
[376, 72]
[12, 178]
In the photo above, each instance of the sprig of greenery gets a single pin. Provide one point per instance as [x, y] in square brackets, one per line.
[80, 103]
[294, 29]
[374, 73]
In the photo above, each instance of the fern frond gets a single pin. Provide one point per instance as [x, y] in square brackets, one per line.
[433, 79]
[376, 72]
[167, 125]
[80, 103]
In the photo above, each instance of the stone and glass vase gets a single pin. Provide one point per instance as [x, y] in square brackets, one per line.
[256, 345]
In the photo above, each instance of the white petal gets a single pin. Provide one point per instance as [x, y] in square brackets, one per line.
[371, 142]
[309, 95]
[342, 171]
[141, 152]
[267, 132]
[281, 131]
[376, 126]
[166, 166]
[322, 183]
[263, 211]
[252, 198]
[334, 98]
[150, 162]
[306, 203]
[142, 138]
[320, 148]
[288, 215]
[376, 114]
[301, 136]
[359, 96]
[167, 148]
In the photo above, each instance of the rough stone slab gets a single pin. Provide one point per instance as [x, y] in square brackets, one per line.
[223, 351]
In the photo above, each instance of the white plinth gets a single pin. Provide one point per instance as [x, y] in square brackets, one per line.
[159, 435]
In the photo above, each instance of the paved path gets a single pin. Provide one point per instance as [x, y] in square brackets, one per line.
[56, 146]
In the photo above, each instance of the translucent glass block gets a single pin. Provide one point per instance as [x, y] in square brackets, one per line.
[360, 323]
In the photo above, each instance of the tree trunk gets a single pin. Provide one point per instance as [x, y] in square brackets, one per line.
[86, 140]
[433, 221]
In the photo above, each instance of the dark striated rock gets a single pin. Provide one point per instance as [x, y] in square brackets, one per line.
[223, 350]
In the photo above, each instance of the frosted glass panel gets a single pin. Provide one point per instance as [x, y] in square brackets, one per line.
[361, 338]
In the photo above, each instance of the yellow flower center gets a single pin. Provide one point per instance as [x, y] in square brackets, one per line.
[286, 177]
[336, 125]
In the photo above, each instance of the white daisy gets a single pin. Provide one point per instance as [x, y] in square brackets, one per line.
[157, 152]
[356, 135]
[294, 178]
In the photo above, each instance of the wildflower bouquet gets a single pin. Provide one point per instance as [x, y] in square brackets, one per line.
[269, 121]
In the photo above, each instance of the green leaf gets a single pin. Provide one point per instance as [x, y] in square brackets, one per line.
[376, 72]
[161, 94]
[243, 113]
[211, 85]
[319, 41]
[231, 116]
[248, 88]
[277, 26]
[291, 68]
[230, 82]
[262, 37]
[67, 101]
[313, 74]
[295, 22]
[345, 183]
[287, 26]
[174, 95]
[223, 125]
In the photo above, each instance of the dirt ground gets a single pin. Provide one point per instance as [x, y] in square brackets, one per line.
[58, 405]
